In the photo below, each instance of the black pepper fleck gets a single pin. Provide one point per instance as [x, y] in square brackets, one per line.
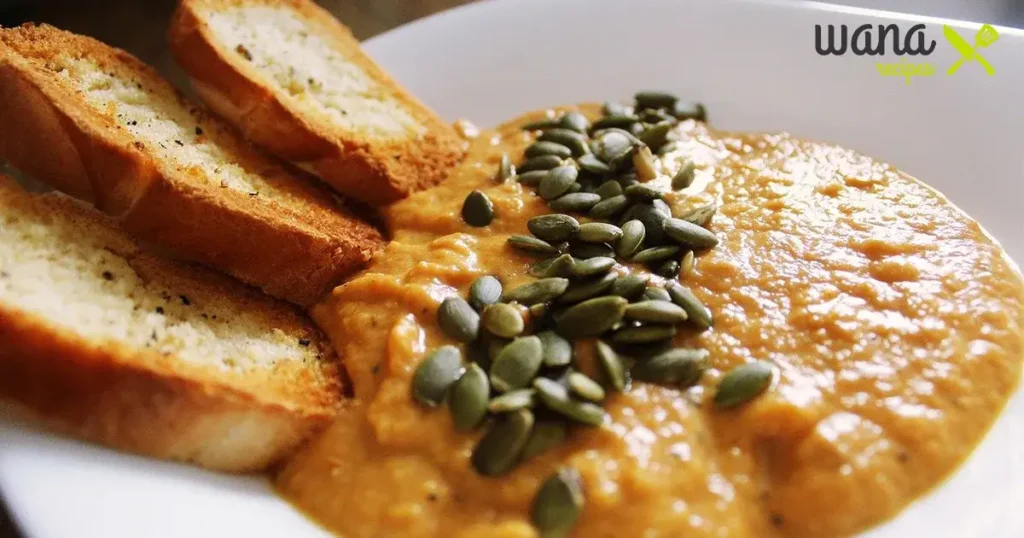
[107, 275]
[777, 520]
[244, 52]
[178, 142]
[199, 131]
[903, 457]
[432, 497]
[304, 342]
[152, 335]
[4, 274]
[204, 315]
[159, 310]
[375, 369]
[254, 194]
[185, 300]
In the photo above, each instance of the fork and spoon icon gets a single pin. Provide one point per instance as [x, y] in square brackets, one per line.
[986, 36]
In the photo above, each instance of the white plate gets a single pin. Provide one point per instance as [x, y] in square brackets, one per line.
[755, 66]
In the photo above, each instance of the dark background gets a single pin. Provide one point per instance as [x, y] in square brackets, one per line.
[139, 27]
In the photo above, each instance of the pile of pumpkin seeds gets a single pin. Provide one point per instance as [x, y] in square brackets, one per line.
[521, 382]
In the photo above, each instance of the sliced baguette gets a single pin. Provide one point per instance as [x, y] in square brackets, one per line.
[98, 124]
[295, 81]
[107, 343]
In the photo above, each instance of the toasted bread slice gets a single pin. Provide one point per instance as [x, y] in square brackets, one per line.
[113, 345]
[98, 124]
[295, 81]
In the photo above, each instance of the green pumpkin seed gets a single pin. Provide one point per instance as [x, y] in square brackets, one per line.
[585, 251]
[690, 234]
[506, 171]
[553, 267]
[545, 436]
[629, 286]
[627, 179]
[653, 221]
[575, 121]
[494, 348]
[584, 387]
[591, 267]
[743, 383]
[546, 123]
[655, 99]
[642, 192]
[700, 216]
[655, 254]
[610, 207]
[554, 227]
[633, 233]
[668, 148]
[656, 135]
[688, 263]
[513, 400]
[467, 399]
[667, 269]
[643, 335]
[499, 449]
[609, 189]
[458, 320]
[612, 367]
[558, 504]
[548, 148]
[585, 289]
[684, 177]
[622, 122]
[611, 145]
[557, 351]
[684, 110]
[557, 182]
[611, 108]
[662, 207]
[656, 312]
[574, 188]
[517, 364]
[532, 178]
[542, 162]
[643, 160]
[592, 317]
[541, 268]
[590, 163]
[556, 397]
[531, 244]
[599, 232]
[576, 142]
[504, 320]
[435, 374]
[654, 116]
[576, 202]
[484, 291]
[656, 294]
[539, 291]
[679, 367]
[698, 313]
[477, 210]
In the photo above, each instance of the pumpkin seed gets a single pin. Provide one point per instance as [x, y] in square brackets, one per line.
[538, 311]
[467, 400]
[538, 291]
[577, 201]
[542, 162]
[611, 108]
[584, 387]
[590, 163]
[585, 251]
[494, 348]
[553, 267]
[591, 317]
[655, 254]
[591, 267]
[554, 227]
[576, 142]
[556, 351]
[643, 335]
[477, 210]
[656, 135]
[684, 177]
[609, 189]
[684, 110]
[643, 160]
[689, 261]
[656, 294]
[662, 207]
[743, 383]
[586, 289]
[700, 216]
[558, 504]
[458, 320]
[512, 400]
[575, 121]
[545, 436]
[668, 148]
[633, 233]
[622, 122]
[667, 269]
[612, 144]
[698, 313]
[627, 179]
[654, 116]
[643, 192]
[653, 221]
[545, 123]
[610, 207]
[656, 312]
[690, 234]
[599, 232]
[435, 374]
[532, 178]
[531, 244]
[556, 397]
[655, 99]
[499, 449]
[517, 364]
[574, 188]
[548, 148]
[636, 129]
[504, 320]
[484, 291]
[679, 367]
[557, 182]
[629, 286]
[612, 367]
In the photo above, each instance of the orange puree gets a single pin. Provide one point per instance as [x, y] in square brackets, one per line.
[894, 321]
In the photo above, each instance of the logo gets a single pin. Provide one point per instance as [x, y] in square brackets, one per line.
[885, 39]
